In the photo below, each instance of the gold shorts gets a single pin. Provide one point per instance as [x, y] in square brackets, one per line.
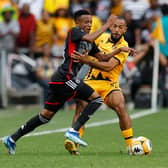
[103, 87]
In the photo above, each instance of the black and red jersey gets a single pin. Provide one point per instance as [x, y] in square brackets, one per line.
[69, 69]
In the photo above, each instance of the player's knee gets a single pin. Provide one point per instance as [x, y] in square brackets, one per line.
[97, 100]
[93, 96]
[47, 114]
[43, 119]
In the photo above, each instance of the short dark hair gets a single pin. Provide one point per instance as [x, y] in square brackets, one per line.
[80, 12]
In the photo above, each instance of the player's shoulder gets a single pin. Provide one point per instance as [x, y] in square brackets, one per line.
[75, 29]
[123, 42]
[102, 38]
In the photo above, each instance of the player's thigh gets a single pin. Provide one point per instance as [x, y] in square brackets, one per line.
[115, 99]
[85, 92]
[57, 96]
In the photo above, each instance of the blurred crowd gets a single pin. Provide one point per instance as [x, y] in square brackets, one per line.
[38, 28]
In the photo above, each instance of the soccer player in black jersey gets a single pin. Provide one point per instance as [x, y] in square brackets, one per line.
[64, 85]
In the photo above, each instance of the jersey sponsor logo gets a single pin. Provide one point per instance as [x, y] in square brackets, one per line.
[115, 85]
[77, 81]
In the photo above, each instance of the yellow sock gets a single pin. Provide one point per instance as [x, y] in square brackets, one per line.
[128, 135]
[81, 131]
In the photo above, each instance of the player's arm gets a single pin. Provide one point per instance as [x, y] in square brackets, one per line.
[105, 57]
[91, 37]
[102, 65]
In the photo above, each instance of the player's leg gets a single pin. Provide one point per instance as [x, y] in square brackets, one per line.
[80, 105]
[69, 145]
[42, 118]
[116, 101]
[94, 102]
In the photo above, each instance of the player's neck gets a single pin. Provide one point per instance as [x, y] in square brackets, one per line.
[113, 40]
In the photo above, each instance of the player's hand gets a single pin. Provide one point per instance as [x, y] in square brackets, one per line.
[78, 57]
[127, 49]
[132, 52]
[111, 19]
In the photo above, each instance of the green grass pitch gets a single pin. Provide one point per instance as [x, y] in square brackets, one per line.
[106, 146]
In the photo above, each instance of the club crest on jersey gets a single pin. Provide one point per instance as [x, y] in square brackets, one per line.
[77, 81]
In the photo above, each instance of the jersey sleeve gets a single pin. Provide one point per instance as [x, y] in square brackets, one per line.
[102, 38]
[122, 56]
[77, 34]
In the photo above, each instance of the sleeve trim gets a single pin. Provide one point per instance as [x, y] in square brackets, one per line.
[117, 59]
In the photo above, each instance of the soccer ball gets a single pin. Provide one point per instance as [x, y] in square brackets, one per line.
[141, 146]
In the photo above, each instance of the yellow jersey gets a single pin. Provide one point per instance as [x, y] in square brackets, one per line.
[52, 5]
[117, 9]
[44, 33]
[62, 26]
[106, 46]
[96, 23]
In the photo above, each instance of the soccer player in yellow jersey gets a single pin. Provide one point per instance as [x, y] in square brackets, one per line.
[103, 77]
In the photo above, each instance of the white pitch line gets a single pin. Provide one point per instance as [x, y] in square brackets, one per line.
[94, 124]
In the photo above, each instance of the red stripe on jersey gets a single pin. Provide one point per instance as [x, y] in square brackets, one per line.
[56, 83]
[71, 48]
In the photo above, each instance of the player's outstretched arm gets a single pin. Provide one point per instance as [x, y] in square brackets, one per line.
[106, 57]
[92, 36]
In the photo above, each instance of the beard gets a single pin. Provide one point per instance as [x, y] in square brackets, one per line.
[114, 39]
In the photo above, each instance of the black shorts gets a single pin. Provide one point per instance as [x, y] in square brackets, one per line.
[60, 92]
